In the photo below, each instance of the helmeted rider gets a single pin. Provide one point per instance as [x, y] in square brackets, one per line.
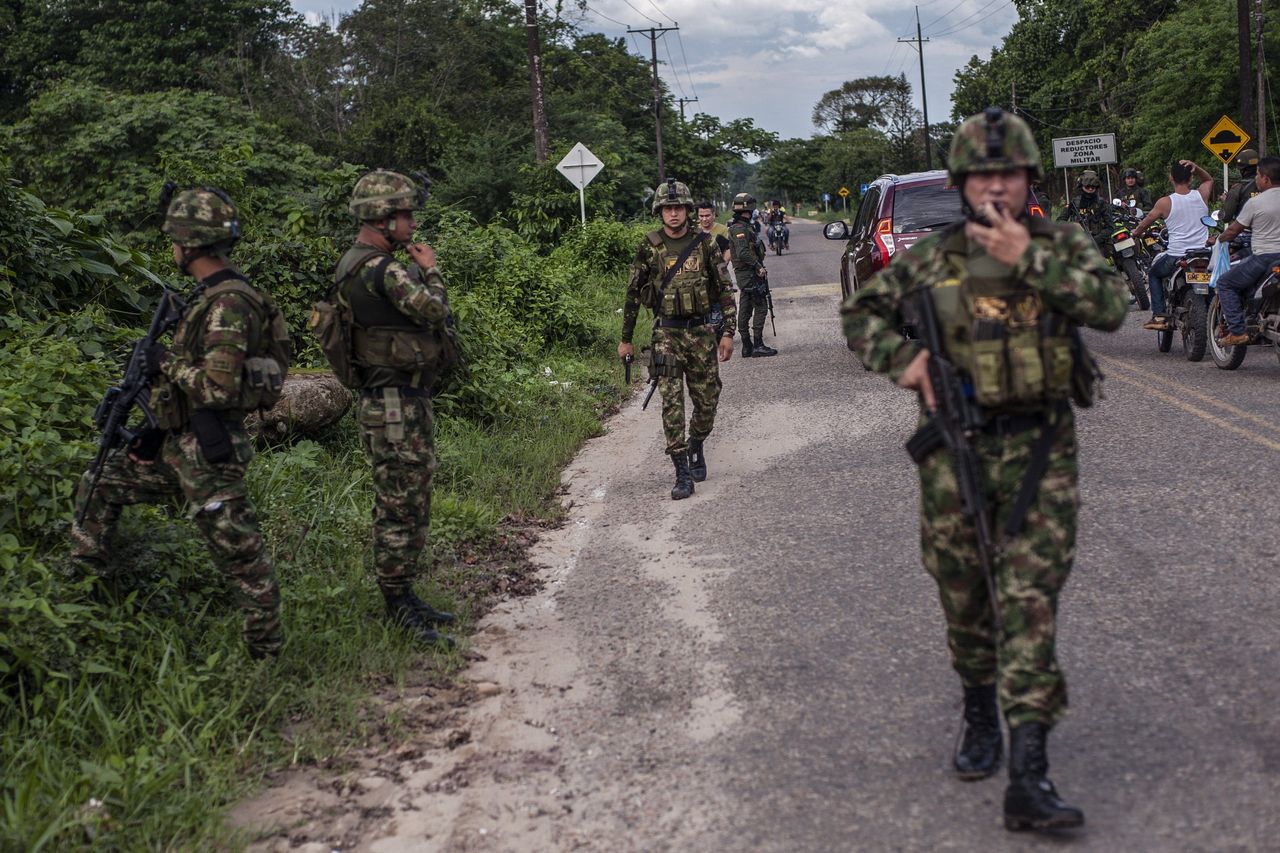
[778, 215]
[1089, 209]
[1133, 191]
[1233, 202]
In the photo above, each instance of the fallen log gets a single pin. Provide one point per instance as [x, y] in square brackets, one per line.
[311, 401]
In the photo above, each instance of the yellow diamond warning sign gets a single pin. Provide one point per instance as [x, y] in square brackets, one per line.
[1225, 139]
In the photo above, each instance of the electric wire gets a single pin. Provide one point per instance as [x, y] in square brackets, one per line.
[944, 14]
[600, 14]
[687, 71]
[674, 71]
[660, 12]
[642, 14]
[960, 25]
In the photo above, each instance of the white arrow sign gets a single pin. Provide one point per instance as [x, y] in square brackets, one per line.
[580, 166]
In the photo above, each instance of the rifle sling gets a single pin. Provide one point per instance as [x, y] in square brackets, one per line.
[680, 259]
[1036, 468]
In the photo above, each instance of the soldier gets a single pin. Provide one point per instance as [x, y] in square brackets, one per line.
[748, 268]
[229, 339]
[1007, 296]
[1244, 189]
[401, 337]
[678, 274]
[1133, 191]
[1089, 209]
[707, 222]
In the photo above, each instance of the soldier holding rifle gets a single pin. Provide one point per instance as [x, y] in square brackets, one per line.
[996, 359]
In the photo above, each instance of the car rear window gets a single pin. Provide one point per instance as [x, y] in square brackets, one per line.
[924, 207]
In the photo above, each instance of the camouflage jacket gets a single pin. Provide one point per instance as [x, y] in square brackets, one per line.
[744, 250]
[1139, 194]
[1070, 276]
[647, 268]
[417, 294]
[1233, 202]
[1092, 213]
[209, 375]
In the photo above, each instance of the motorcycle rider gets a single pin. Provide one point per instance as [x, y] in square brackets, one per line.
[1089, 209]
[778, 214]
[1246, 188]
[1133, 191]
[1261, 215]
[1181, 211]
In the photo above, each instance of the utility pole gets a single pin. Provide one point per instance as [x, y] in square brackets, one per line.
[653, 33]
[918, 42]
[1013, 91]
[1245, 45]
[684, 101]
[535, 81]
[1258, 66]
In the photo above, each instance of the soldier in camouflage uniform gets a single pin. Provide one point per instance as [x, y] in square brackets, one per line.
[684, 348]
[1131, 190]
[1243, 190]
[748, 268]
[201, 391]
[1090, 209]
[401, 337]
[1007, 296]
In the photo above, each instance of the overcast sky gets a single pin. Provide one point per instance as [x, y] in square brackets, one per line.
[772, 59]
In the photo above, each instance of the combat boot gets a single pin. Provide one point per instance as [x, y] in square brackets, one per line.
[746, 345]
[980, 750]
[684, 478]
[400, 611]
[697, 461]
[1030, 801]
[428, 613]
[760, 350]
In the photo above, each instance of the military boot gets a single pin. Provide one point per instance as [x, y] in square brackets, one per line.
[401, 611]
[746, 345]
[979, 754]
[428, 613]
[697, 461]
[684, 477]
[1030, 801]
[760, 350]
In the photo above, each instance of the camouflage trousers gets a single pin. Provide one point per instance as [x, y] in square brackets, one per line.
[693, 351]
[403, 457]
[753, 310]
[1029, 571]
[220, 508]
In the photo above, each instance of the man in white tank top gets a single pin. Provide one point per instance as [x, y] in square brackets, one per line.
[1181, 211]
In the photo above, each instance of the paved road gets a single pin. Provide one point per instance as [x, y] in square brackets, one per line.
[763, 667]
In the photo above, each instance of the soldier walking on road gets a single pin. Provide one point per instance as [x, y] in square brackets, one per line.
[680, 276]
[400, 333]
[748, 268]
[1007, 296]
[230, 351]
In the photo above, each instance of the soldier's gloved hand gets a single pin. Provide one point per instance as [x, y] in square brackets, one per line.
[145, 446]
[153, 357]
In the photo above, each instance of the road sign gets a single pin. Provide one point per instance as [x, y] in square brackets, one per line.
[580, 166]
[826, 196]
[1096, 150]
[843, 192]
[863, 189]
[1225, 139]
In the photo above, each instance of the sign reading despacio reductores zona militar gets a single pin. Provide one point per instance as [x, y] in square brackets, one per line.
[1097, 150]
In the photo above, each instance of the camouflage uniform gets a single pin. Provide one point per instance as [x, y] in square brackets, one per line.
[1059, 279]
[748, 266]
[222, 326]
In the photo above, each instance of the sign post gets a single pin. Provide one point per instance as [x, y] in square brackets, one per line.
[1071, 152]
[580, 166]
[1224, 141]
[843, 192]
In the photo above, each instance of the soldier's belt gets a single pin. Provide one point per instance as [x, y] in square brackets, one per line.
[929, 437]
[680, 322]
[1013, 424]
[405, 391]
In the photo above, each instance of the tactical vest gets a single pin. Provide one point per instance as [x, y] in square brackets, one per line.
[266, 363]
[745, 254]
[380, 335]
[690, 292]
[1017, 354]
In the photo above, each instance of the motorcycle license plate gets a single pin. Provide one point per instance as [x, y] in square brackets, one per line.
[1125, 244]
[1198, 277]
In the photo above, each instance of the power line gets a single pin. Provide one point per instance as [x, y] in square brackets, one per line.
[687, 72]
[660, 12]
[641, 14]
[600, 14]
[944, 14]
[963, 26]
[674, 72]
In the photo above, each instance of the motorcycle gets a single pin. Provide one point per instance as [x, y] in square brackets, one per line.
[1122, 251]
[1261, 322]
[777, 236]
[1187, 297]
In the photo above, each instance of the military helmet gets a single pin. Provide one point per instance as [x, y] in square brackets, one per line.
[1247, 157]
[199, 216]
[1129, 173]
[993, 141]
[744, 201]
[672, 193]
[1089, 178]
[380, 193]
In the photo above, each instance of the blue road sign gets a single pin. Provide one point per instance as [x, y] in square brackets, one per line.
[863, 191]
[826, 196]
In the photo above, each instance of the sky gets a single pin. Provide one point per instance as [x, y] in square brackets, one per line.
[771, 60]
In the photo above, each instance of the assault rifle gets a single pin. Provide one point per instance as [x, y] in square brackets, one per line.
[952, 426]
[768, 295]
[133, 390]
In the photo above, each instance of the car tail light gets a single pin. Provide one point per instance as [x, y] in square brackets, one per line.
[1037, 210]
[884, 247]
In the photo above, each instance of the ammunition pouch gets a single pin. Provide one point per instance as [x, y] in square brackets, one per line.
[262, 379]
[213, 436]
[661, 364]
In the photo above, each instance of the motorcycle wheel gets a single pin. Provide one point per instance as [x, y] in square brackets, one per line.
[1195, 329]
[1227, 358]
[1164, 340]
[778, 248]
[1137, 283]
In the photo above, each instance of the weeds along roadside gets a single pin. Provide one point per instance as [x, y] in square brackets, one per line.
[131, 723]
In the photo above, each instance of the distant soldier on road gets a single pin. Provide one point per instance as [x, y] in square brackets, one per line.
[1006, 295]
[1243, 190]
[400, 334]
[225, 361]
[1131, 190]
[681, 277]
[748, 268]
[1089, 208]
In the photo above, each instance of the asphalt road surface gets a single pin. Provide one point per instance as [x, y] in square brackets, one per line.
[763, 667]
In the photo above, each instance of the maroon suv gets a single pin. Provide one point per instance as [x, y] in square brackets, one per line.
[896, 210]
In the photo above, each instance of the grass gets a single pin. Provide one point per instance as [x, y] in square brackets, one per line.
[140, 719]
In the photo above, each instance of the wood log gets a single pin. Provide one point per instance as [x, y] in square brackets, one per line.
[312, 400]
